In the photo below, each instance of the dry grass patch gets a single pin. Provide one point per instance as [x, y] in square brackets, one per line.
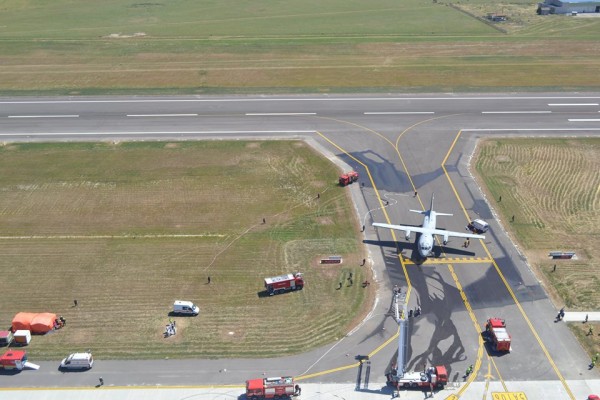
[127, 228]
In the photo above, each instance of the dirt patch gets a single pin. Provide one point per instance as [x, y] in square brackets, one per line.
[122, 36]
[325, 220]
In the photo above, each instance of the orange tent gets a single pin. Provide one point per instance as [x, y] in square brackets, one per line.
[22, 321]
[43, 323]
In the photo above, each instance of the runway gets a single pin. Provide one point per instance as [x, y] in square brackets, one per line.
[400, 144]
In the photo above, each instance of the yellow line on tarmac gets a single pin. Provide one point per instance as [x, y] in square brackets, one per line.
[498, 373]
[384, 344]
[400, 156]
[480, 347]
[387, 218]
[521, 310]
[356, 364]
[329, 371]
[458, 260]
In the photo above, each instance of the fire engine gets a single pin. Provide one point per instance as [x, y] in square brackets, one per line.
[348, 178]
[496, 333]
[269, 388]
[432, 377]
[284, 283]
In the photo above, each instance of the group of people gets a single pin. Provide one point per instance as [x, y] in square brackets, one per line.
[415, 313]
[170, 329]
[59, 322]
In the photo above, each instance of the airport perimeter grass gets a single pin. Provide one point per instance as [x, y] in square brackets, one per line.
[551, 186]
[105, 223]
[187, 46]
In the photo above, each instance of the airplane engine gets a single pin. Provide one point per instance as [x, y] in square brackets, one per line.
[445, 240]
[407, 236]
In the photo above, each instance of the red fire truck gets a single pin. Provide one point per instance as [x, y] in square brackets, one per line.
[284, 283]
[496, 333]
[13, 359]
[348, 178]
[269, 388]
[430, 378]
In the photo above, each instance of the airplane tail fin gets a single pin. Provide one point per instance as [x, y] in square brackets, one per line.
[436, 213]
[430, 210]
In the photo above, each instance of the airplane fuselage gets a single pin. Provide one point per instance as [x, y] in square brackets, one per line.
[428, 230]
[425, 244]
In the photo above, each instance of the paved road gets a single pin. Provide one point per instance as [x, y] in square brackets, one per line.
[400, 142]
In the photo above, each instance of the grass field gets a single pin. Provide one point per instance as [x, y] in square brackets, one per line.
[552, 187]
[105, 224]
[187, 46]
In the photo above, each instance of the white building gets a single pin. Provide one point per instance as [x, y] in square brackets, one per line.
[568, 6]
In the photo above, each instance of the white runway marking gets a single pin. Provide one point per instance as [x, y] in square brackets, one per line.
[516, 112]
[239, 100]
[584, 120]
[162, 115]
[571, 104]
[135, 133]
[278, 114]
[44, 116]
[398, 112]
[528, 129]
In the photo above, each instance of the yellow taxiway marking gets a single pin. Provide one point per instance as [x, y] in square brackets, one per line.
[509, 396]
[508, 288]
[451, 260]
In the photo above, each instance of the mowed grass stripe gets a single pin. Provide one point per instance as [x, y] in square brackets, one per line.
[551, 187]
[125, 286]
[267, 45]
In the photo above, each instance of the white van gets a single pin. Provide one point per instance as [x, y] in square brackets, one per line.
[478, 226]
[78, 361]
[185, 308]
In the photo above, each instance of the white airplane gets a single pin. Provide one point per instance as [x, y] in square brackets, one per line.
[428, 229]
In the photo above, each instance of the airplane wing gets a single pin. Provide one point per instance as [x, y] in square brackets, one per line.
[440, 232]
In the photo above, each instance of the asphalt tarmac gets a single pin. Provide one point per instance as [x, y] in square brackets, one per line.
[399, 144]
